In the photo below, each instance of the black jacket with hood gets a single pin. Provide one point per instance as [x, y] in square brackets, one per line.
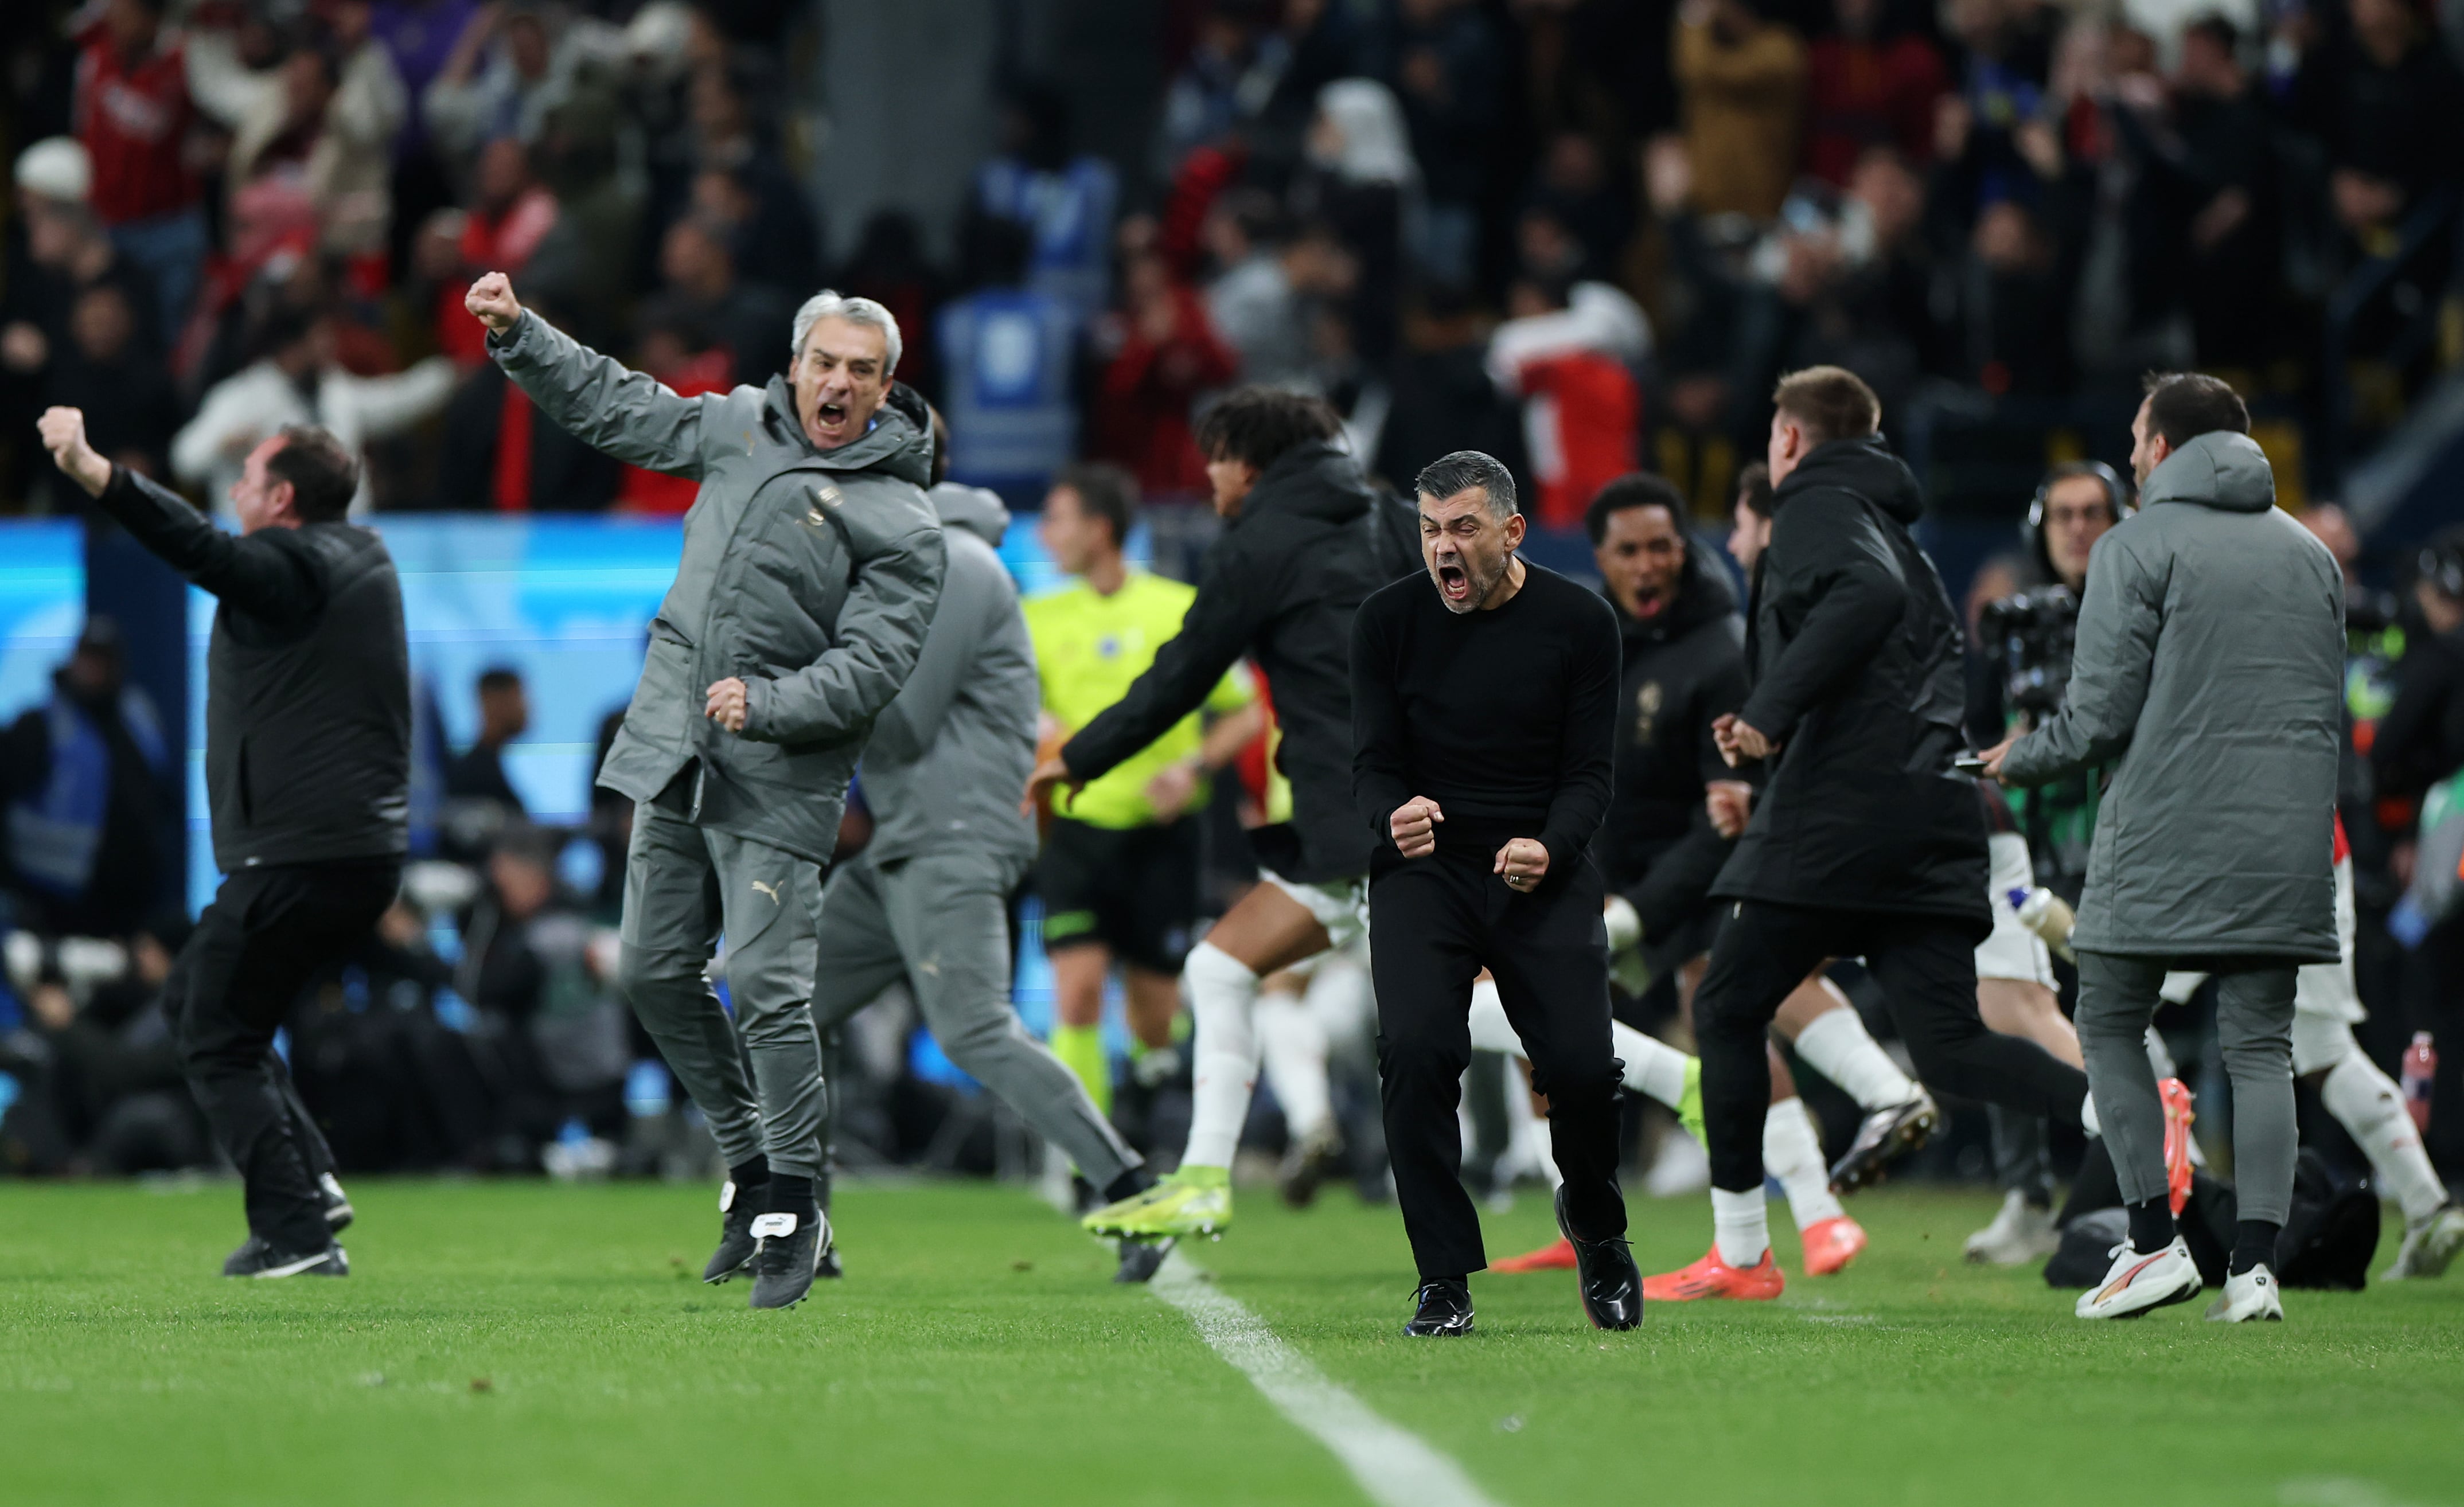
[1682, 668]
[1279, 584]
[1855, 651]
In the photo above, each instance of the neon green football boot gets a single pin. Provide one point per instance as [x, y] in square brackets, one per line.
[1689, 1104]
[1194, 1201]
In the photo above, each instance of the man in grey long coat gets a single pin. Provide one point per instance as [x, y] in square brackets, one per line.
[2208, 671]
[927, 900]
[812, 564]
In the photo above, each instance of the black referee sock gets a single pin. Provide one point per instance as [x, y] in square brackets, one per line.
[2253, 1245]
[790, 1194]
[750, 1174]
[2151, 1225]
[1128, 1185]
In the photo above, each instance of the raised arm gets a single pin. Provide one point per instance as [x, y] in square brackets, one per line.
[880, 634]
[626, 414]
[1213, 636]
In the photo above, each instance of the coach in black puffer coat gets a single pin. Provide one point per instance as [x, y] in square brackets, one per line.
[1854, 648]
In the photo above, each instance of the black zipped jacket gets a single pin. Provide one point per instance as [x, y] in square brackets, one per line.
[1855, 652]
[1682, 668]
[1279, 585]
[307, 682]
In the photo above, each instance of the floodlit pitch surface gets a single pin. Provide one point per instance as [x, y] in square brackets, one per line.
[527, 1343]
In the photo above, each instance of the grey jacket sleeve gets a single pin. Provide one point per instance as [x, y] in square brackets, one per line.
[880, 636]
[975, 596]
[2114, 656]
[626, 414]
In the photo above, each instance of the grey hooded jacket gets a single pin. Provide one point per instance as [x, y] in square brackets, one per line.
[2209, 670]
[950, 757]
[810, 575]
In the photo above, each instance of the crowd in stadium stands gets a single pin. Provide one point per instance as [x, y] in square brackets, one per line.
[1583, 235]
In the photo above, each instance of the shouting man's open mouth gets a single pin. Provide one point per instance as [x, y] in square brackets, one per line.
[1454, 581]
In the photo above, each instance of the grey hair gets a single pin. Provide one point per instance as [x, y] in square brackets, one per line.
[1449, 474]
[830, 304]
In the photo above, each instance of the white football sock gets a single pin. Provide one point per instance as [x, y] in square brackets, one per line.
[1491, 1030]
[1740, 1227]
[2367, 1103]
[1792, 1153]
[1837, 1046]
[1222, 1010]
[1293, 1044]
[2160, 1056]
[1653, 1068]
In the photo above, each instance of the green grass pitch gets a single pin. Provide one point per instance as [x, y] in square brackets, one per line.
[538, 1344]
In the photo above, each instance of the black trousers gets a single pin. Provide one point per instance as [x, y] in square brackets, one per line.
[268, 932]
[1434, 924]
[1927, 966]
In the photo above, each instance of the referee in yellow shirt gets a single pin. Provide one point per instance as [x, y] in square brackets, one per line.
[1119, 875]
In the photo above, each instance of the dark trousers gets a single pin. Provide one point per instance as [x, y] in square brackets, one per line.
[1434, 924]
[1927, 966]
[268, 932]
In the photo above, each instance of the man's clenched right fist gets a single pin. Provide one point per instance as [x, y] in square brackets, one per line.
[1414, 826]
[491, 299]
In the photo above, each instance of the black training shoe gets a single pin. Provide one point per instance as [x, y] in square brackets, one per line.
[736, 1242]
[790, 1256]
[1141, 1260]
[1444, 1309]
[1309, 1166]
[338, 1203]
[256, 1258]
[1886, 1136]
[1605, 1276]
[828, 1267]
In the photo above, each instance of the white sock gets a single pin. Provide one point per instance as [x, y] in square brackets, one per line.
[1491, 1030]
[1293, 1045]
[1792, 1153]
[2160, 1056]
[1222, 1008]
[1740, 1227]
[2087, 1115]
[1653, 1068]
[2367, 1103]
[1544, 1146]
[1837, 1046]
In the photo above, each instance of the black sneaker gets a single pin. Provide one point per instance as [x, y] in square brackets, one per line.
[1141, 1260]
[1606, 1276]
[828, 1267]
[790, 1256]
[736, 1243]
[338, 1203]
[1309, 1166]
[256, 1258]
[1886, 1136]
[1444, 1309]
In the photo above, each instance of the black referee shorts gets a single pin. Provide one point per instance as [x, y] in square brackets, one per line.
[1132, 889]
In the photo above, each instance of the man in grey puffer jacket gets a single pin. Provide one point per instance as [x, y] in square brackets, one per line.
[927, 900]
[2208, 671]
[812, 563]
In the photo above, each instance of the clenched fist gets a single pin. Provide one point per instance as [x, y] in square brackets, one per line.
[727, 703]
[491, 301]
[1414, 827]
[63, 433]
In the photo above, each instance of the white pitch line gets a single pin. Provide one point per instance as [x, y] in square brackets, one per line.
[1395, 1466]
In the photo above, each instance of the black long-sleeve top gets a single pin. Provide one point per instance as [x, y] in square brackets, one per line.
[272, 575]
[1504, 718]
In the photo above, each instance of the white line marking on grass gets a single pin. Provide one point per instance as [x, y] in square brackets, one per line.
[1395, 1466]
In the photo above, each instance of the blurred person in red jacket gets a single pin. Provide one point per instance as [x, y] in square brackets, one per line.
[1567, 352]
[1865, 88]
[1168, 355]
[687, 363]
[511, 212]
[134, 115]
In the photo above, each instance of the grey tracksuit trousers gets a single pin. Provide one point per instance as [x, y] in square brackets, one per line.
[939, 922]
[684, 885]
[2118, 998]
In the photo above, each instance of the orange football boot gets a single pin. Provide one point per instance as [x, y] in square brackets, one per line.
[1830, 1244]
[1714, 1277]
[1558, 1255]
[2177, 1142]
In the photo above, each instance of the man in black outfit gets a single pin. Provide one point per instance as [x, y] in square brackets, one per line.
[1865, 841]
[1484, 703]
[308, 763]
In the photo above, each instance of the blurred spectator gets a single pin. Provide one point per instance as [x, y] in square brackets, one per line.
[1067, 201]
[510, 214]
[2421, 739]
[515, 61]
[1443, 399]
[497, 458]
[326, 115]
[2226, 175]
[760, 211]
[1229, 76]
[702, 290]
[131, 409]
[297, 381]
[2391, 118]
[1868, 88]
[134, 116]
[1361, 184]
[1741, 79]
[890, 267]
[1593, 212]
[103, 1090]
[688, 365]
[1167, 356]
[1252, 301]
[1567, 352]
[478, 773]
[84, 779]
[1445, 61]
[1007, 352]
